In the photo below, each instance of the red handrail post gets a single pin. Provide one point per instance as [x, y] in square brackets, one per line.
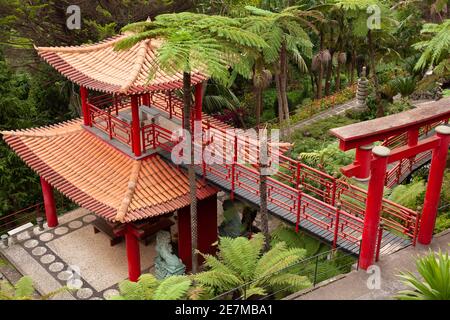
[233, 168]
[170, 106]
[109, 124]
[297, 177]
[336, 226]
[154, 133]
[85, 105]
[299, 207]
[416, 226]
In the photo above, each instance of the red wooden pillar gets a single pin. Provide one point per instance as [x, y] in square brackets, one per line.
[198, 101]
[49, 204]
[207, 229]
[363, 157]
[133, 255]
[85, 106]
[136, 127]
[434, 186]
[146, 99]
[184, 236]
[373, 206]
[207, 224]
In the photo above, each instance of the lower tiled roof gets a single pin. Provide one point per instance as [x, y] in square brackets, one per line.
[100, 178]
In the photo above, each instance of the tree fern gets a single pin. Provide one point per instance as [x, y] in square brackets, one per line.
[437, 49]
[253, 272]
[150, 288]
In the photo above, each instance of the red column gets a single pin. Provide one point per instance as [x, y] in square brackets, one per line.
[198, 101]
[184, 236]
[133, 255]
[49, 204]
[146, 100]
[136, 126]
[207, 229]
[434, 186]
[373, 206]
[85, 106]
[207, 224]
[363, 158]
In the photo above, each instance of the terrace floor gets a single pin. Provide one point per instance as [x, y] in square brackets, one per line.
[54, 256]
[354, 285]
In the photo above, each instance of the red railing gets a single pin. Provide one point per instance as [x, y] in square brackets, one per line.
[406, 166]
[109, 124]
[154, 136]
[308, 194]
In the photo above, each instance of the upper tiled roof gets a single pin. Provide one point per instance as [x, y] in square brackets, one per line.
[100, 178]
[100, 67]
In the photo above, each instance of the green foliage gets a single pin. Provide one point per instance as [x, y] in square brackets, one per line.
[434, 280]
[23, 290]
[330, 158]
[316, 136]
[242, 263]
[197, 41]
[409, 195]
[435, 51]
[293, 239]
[150, 288]
[398, 106]
[404, 85]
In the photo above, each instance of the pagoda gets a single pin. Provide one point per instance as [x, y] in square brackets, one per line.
[113, 161]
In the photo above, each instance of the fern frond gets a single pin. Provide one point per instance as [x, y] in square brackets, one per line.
[172, 288]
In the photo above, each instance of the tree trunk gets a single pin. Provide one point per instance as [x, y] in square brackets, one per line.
[258, 104]
[352, 67]
[380, 109]
[279, 100]
[263, 161]
[319, 82]
[328, 74]
[187, 112]
[283, 86]
[338, 76]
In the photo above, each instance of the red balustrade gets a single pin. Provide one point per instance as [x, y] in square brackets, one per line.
[111, 125]
[406, 166]
[308, 194]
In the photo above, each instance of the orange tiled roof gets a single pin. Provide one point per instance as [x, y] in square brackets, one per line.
[100, 178]
[100, 67]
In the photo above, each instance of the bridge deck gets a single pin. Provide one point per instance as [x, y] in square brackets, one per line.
[309, 222]
[390, 242]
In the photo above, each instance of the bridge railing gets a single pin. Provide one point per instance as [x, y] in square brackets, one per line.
[406, 166]
[309, 194]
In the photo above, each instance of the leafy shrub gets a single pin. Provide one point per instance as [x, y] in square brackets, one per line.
[150, 288]
[434, 280]
[404, 85]
[241, 261]
[410, 195]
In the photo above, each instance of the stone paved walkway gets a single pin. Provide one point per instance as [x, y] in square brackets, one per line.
[72, 254]
[335, 111]
[353, 286]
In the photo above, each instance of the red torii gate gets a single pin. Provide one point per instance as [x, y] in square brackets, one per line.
[373, 162]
